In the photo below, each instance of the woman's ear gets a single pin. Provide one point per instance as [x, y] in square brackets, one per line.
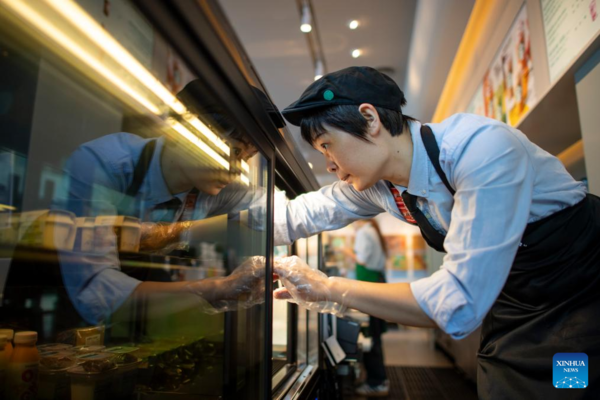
[369, 113]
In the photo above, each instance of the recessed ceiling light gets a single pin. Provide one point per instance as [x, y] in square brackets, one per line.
[353, 24]
[356, 53]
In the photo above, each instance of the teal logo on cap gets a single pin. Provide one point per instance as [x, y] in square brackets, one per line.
[328, 95]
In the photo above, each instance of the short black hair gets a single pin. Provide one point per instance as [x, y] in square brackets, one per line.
[349, 119]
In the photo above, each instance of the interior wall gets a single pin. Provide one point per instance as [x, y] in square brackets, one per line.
[588, 97]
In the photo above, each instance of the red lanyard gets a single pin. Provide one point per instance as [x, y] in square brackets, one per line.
[188, 206]
[402, 206]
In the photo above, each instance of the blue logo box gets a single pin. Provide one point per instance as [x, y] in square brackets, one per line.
[570, 371]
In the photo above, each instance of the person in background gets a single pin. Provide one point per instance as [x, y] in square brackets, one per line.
[370, 253]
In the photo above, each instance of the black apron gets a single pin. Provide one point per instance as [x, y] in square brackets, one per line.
[550, 303]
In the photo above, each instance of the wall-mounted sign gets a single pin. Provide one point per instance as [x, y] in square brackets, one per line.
[569, 26]
[507, 91]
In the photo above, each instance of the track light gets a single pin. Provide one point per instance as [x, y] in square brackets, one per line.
[306, 21]
[319, 70]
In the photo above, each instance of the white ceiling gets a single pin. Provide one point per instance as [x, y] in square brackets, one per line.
[416, 38]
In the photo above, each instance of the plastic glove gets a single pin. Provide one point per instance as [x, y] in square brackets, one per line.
[244, 288]
[307, 287]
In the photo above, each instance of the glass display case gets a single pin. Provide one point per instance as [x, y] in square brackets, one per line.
[138, 160]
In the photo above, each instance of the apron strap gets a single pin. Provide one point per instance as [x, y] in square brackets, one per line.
[433, 151]
[139, 173]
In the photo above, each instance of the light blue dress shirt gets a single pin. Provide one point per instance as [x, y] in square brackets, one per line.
[96, 176]
[502, 182]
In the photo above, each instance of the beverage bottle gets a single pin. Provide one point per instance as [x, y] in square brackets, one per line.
[22, 374]
[9, 347]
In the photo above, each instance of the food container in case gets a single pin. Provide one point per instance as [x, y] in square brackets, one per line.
[84, 238]
[50, 229]
[86, 385]
[53, 381]
[118, 231]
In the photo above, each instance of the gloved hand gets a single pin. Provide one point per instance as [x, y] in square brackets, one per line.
[307, 287]
[243, 288]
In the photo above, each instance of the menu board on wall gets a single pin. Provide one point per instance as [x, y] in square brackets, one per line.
[507, 91]
[569, 25]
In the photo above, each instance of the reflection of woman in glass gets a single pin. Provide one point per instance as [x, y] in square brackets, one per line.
[370, 255]
[168, 186]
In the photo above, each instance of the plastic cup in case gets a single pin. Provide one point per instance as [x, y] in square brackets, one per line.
[87, 385]
[53, 381]
[51, 229]
[124, 231]
[84, 240]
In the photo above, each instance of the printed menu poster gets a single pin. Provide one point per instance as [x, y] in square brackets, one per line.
[569, 25]
[507, 92]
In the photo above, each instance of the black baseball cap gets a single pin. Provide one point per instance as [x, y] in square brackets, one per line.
[194, 96]
[348, 86]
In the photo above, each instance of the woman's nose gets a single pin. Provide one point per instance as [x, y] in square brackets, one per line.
[331, 167]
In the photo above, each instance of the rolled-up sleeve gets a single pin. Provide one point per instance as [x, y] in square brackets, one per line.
[493, 178]
[331, 207]
[97, 288]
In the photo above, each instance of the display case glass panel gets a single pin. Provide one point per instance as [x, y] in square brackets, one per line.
[313, 316]
[133, 224]
[302, 338]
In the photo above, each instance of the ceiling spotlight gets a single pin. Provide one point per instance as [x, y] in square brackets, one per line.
[306, 21]
[319, 70]
[356, 53]
[353, 24]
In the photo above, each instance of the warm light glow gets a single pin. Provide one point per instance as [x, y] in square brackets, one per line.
[245, 166]
[245, 179]
[353, 24]
[68, 44]
[205, 130]
[306, 28]
[310, 165]
[88, 26]
[183, 131]
[5, 207]
[356, 53]
[91, 29]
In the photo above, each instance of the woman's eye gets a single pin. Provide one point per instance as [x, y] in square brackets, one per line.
[324, 146]
[237, 151]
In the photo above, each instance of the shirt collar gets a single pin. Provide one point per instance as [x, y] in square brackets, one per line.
[158, 191]
[418, 183]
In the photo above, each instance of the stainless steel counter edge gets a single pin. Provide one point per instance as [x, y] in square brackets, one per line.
[296, 385]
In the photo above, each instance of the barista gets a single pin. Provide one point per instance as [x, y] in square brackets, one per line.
[521, 235]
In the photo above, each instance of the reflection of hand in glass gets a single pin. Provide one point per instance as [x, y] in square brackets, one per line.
[244, 288]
